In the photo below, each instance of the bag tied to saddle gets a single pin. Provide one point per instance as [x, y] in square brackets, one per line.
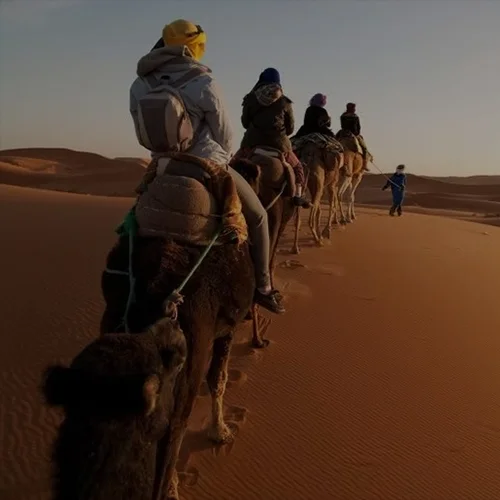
[163, 121]
[330, 144]
[190, 200]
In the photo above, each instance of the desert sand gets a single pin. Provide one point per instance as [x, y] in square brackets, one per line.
[381, 381]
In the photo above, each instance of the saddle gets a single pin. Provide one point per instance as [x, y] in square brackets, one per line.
[321, 141]
[349, 141]
[275, 170]
[189, 200]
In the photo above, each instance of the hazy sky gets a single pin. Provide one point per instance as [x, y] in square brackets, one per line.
[425, 74]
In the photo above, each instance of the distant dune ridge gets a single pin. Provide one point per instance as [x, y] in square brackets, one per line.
[70, 171]
[58, 169]
[476, 197]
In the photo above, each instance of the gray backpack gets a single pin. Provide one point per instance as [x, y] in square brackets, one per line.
[163, 121]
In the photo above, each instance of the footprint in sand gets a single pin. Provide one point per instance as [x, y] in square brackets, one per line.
[330, 270]
[236, 414]
[292, 264]
[236, 378]
[235, 417]
[189, 477]
[293, 287]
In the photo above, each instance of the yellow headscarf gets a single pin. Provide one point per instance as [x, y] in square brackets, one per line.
[182, 32]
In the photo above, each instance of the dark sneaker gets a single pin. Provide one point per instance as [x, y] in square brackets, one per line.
[300, 201]
[272, 302]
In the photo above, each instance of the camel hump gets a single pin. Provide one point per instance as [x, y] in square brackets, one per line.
[189, 201]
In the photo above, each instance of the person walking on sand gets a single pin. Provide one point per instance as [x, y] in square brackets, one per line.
[397, 183]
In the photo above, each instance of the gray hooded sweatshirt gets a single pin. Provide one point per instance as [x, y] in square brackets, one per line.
[213, 135]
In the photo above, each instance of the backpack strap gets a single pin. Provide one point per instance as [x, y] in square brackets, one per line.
[190, 75]
[193, 73]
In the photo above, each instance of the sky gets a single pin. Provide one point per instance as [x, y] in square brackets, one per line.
[425, 74]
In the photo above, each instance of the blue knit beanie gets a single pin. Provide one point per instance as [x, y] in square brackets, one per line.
[270, 75]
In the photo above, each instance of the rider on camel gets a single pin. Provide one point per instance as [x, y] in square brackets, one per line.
[179, 51]
[316, 118]
[268, 121]
[349, 122]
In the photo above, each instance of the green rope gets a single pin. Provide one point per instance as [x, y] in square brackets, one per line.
[129, 227]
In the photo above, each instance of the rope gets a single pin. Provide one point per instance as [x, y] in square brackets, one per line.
[385, 175]
[277, 197]
[405, 190]
[176, 297]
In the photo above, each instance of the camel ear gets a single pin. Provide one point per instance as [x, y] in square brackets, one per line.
[57, 385]
[150, 392]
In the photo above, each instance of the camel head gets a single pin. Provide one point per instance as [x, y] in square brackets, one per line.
[117, 398]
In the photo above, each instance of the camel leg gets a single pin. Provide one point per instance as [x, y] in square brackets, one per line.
[217, 380]
[295, 248]
[185, 392]
[346, 182]
[327, 231]
[257, 340]
[316, 186]
[354, 186]
[336, 202]
[276, 228]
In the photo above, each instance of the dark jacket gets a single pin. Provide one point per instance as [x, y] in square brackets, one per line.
[267, 118]
[350, 122]
[316, 119]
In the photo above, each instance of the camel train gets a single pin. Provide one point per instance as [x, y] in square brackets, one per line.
[128, 395]
[182, 277]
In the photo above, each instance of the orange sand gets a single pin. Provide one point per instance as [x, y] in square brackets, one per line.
[381, 381]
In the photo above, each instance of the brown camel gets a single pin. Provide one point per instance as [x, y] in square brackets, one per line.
[275, 186]
[116, 395]
[351, 175]
[124, 456]
[323, 170]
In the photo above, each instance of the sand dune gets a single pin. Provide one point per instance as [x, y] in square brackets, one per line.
[479, 202]
[70, 171]
[380, 382]
[476, 197]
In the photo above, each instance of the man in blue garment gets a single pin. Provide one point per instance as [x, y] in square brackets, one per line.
[397, 183]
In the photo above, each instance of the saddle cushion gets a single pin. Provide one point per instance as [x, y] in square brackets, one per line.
[275, 171]
[321, 141]
[189, 200]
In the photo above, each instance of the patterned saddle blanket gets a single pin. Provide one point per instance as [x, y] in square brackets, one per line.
[330, 144]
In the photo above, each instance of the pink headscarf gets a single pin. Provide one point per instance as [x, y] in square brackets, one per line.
[318, 100]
